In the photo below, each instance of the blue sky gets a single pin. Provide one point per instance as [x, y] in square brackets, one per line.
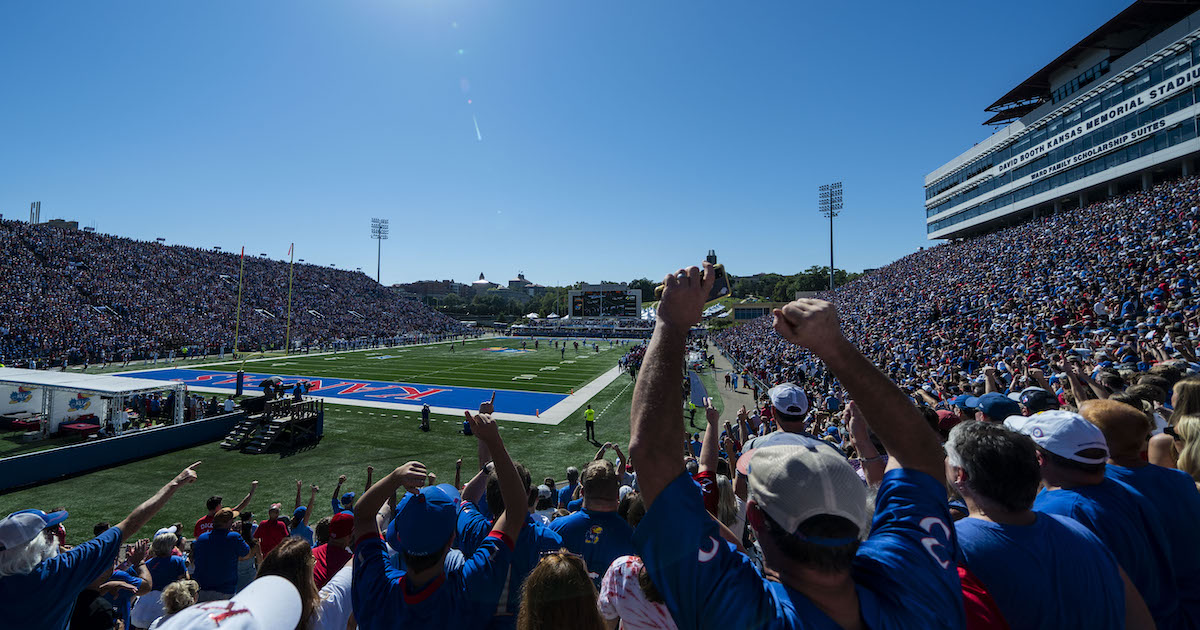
[619, 139]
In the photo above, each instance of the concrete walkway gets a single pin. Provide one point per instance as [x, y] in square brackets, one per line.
[733, 398]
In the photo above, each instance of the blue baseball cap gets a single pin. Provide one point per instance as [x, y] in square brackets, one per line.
[347, 498]
[961, 400]
[299, 511]
[19, 528]
[424, 522]
[998, 406]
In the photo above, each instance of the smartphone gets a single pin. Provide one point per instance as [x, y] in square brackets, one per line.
[720, 287]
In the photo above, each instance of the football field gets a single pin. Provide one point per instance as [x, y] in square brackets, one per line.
[360, 434]
[531, 377]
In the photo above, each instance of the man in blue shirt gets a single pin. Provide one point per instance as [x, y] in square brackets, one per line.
[39, 585]
[216, 556]
[1172, 492]
[1072, 454]
[597, 532]
[535, 539]
[566, 492]
[1044, 571]
[806, 504]
[425, 595]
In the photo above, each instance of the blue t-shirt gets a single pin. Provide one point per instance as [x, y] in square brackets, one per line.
[1049, 575]
[905, 572]
[505, 596]
[1174, 494]
[304, 532]
[215, 555]
[383, 599]
[1129, 526]
[564, 494]
[121, 599]
[600, 537]
[45, 597]
[163, 571]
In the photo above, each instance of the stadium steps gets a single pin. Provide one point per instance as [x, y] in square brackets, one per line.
[265, 436]
[240, 433]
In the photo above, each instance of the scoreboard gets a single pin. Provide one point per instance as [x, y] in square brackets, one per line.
[606, 303]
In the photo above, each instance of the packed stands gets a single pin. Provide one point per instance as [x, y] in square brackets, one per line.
[74, 295]
[1112, 283]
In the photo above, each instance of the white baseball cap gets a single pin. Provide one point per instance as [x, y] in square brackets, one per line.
[543, 491]
[18, 528]
[1063, 433]
[268, 602]
[166, 530]
[788, 398]
[794, 483]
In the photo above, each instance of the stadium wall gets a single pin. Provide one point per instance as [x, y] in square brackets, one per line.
[67, 461]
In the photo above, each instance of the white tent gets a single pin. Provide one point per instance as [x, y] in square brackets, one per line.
[59, 397]
[552, 316]
[531, 316]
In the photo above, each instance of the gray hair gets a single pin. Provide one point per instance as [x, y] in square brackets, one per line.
[162, 545]
[22, 560]
[572, 473]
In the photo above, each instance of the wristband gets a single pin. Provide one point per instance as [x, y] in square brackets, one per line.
[870, 459]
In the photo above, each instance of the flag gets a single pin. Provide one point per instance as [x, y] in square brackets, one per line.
[243, 252]
[290, 249]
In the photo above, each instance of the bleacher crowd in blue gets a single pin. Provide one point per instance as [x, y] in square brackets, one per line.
[88, 298]
[1002, 432]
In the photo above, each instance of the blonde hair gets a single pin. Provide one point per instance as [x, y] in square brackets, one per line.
[163, 545]
[726, 502]
[1185, 399]
[559, 594]
[179, 595]
[1188, 430]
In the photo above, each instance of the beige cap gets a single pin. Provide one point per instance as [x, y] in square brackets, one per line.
[794, 483]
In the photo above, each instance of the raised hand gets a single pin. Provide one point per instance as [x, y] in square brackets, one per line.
[812, 324]
[188, 475]
[412, 474]
[139, 552]
[341, 479]
[488, 406]
[484, 427]
[684, 295]
[710, 412]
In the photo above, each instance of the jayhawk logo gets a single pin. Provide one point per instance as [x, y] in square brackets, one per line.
[79, 403]
[593, 535]
[22, 395]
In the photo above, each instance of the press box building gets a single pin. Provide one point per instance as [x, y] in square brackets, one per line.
[1115, 113]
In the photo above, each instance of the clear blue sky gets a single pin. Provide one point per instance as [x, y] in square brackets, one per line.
[619, 139]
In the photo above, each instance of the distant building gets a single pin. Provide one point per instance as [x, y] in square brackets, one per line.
[482, 284]
[63, 224]
[434, 287]
[754, 310]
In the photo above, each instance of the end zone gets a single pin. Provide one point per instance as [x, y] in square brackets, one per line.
[521, 406]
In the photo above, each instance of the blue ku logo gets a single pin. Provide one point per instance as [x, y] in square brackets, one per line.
[22, 395]
[79, 403]
[593, 535]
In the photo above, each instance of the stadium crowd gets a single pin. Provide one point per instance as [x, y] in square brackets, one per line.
[88, 297]
[998, 433]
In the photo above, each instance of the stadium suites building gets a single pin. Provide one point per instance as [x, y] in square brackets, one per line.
[1116, 112]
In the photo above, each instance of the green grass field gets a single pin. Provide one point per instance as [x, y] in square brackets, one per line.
[356, 437]
[476, 364]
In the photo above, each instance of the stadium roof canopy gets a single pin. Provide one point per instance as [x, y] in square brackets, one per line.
[1130, 28]
[102, 384]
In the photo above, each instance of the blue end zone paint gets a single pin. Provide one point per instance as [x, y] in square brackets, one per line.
[507, 401]
[699, 391]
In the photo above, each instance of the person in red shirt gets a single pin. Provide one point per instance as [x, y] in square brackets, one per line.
[271, 531]
[332, 556]
[205, 523]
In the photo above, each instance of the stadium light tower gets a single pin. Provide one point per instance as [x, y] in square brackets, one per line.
[829, 200]
[379, 232]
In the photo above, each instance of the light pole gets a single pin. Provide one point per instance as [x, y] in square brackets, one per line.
[829, 200]
[379, 232]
